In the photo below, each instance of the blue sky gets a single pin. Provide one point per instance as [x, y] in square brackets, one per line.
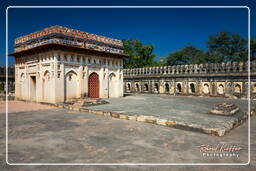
[167, 29]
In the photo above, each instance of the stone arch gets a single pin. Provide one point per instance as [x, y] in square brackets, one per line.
[179, 87]
[192, 88]
[206, 89]
[220, 89]
[70, 85]
[166, 88]
[112, 85]
[237, 88]
[145, 87]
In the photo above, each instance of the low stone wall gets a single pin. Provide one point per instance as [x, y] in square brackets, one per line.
[224, 80]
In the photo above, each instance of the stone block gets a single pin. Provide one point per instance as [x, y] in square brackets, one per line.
[115, 115]
[76, 108]
[132, 117]
[106, 114]
[161, 121]
[151, 119]
[122, 116]
[84, 110]
[98, 112]
[141, 118]
[171, 123]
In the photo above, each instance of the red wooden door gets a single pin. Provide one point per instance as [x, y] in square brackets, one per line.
[93, 87]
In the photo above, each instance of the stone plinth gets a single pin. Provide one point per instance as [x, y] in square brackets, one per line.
[225, 109]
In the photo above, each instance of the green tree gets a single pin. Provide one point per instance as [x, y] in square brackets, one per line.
[140, 55]
[253, 49]
[187, 55]
[226, 46]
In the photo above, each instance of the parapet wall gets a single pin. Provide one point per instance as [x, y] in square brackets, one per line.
[212, 68]
[223, 79]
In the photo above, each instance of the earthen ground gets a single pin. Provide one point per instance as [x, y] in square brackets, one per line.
[59, 135]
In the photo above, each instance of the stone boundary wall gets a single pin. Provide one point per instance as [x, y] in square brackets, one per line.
[214, 79]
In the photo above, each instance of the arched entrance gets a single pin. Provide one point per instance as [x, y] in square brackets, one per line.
[93, 85]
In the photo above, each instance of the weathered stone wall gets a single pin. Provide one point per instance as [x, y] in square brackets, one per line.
[224, 79]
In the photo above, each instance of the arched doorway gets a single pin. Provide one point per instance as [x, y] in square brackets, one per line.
[112, 85]
[93, 85]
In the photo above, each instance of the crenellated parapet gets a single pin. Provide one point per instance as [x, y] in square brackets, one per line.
[211, 68]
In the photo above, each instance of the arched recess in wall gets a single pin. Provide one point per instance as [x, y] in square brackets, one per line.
[237, 89]
[254, 88]
[146, 87]
[128, 87]
[156, 88]
[192, 88]
[178, 88]
[22, 85]
[46, 86]
[206, 89]
[220, 89]
[70, 85]
[137, 87]
[166, 88]
[112, 85]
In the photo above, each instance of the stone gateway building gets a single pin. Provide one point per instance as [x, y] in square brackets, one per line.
[59, 64]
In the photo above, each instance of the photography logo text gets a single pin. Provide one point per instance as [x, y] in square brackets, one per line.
[219, 150]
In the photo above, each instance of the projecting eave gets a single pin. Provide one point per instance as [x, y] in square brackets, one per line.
[53, 46]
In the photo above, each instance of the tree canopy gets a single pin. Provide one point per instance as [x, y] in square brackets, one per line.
[222, 47]
[226, 46]
[187, 55]
[140, 55]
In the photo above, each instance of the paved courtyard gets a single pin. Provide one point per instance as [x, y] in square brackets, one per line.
[58, 135]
